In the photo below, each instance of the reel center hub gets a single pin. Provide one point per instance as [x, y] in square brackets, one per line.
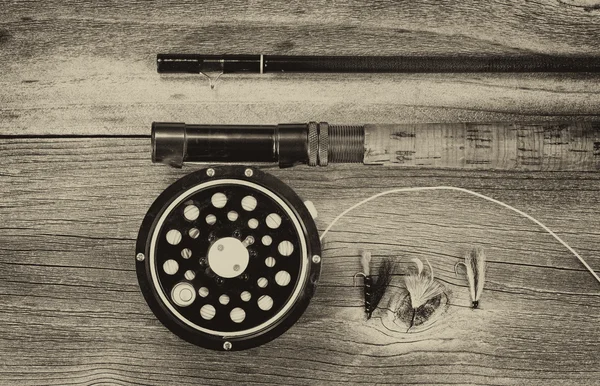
[228, 257]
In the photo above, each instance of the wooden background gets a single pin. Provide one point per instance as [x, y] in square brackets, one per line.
[79, 90]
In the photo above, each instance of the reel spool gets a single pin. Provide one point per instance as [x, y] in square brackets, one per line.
[228, 257]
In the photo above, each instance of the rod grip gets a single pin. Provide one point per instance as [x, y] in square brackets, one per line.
[542, 146]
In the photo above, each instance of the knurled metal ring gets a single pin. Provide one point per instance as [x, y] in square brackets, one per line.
[313, 143]
[323, 143]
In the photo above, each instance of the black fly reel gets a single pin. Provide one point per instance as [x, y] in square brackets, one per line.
[228, 257]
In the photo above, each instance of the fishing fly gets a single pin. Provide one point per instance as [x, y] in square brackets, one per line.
[374, 289]
[475, 270]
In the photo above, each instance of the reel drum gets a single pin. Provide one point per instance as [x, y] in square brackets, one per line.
[228, 257]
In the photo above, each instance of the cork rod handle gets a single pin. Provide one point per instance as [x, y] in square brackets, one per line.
[503, 146]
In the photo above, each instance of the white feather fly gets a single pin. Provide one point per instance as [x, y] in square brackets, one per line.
[475, 267]
[421, 287]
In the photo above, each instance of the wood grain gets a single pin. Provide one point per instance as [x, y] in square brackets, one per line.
[81, 67]
[80, 89]
[73, 313]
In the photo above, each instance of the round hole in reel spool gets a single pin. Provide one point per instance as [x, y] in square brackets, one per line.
[227, 267]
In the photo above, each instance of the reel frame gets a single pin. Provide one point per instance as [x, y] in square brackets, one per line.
[311, 258]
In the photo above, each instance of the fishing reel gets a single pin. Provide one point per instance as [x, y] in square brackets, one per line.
[228, 257]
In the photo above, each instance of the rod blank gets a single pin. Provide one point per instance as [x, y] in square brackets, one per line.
[197, 63]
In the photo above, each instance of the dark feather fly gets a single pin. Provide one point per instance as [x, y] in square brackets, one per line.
[375, 289]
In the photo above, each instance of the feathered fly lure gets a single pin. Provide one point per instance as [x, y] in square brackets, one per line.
[475, 266]
[374, 290]
[421, 287]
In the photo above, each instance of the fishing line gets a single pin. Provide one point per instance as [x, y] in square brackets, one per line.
[418, 189]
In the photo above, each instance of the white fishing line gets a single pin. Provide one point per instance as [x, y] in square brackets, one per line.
[417, 189]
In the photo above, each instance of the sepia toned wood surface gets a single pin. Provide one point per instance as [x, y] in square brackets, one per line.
[79, 90]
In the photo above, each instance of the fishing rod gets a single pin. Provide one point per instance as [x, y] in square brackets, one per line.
[259, 64]
[541, 146]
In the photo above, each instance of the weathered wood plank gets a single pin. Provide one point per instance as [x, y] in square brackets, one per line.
[73, 314]
[349, 27]
[126, 100]
[70, 208]
[84, 67]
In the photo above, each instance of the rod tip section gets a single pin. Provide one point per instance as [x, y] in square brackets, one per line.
[168, 143]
